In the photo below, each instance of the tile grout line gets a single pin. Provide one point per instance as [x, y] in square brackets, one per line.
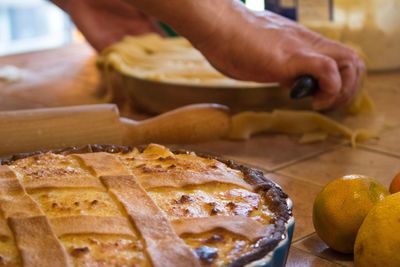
[298, 178]
[378, 151]
[360, 148]
[303, 238]
[305, 158]
[319, 256]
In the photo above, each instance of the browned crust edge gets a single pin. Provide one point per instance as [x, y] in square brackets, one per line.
[264, 186]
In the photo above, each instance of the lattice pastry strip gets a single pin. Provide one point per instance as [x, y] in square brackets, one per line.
[54, 171]
[36, 241]
[163, 245]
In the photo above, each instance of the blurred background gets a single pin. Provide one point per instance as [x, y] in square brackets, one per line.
[28, 25]
[370, 26]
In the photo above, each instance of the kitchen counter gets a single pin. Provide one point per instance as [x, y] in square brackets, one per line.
[67, 76]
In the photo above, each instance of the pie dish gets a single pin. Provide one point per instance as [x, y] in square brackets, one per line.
[104, 205]
[151, 68]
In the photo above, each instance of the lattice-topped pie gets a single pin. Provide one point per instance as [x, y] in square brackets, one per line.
[118, 206]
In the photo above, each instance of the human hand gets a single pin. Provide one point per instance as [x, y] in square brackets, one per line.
[105, 22]
[266, 47]
[241, 43]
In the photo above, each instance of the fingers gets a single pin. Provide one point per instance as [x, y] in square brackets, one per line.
[348, 73]
[337, 68]
[324, 69]
[351, 69]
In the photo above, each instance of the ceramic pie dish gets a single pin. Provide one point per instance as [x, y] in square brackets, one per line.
[153, 69]
[103, 205]
[150, 96]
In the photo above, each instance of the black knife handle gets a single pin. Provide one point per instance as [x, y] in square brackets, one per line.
[305, 86]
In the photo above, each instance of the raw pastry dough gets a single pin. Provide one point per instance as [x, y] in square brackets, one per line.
[164, 59]
[312, 125]
[361, 104]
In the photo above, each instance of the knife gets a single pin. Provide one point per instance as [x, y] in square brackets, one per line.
[305, 86]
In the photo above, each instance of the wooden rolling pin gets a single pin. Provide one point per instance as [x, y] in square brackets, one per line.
[37, 129]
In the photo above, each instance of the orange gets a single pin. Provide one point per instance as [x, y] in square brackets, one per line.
[341, 206]
[378, 240]
[395, 184]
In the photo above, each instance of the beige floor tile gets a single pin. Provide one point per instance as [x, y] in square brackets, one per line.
[302, 194]
[265, 151]
[299, 258]
[314, 245]
[343, 161]
[388, 143]
[386, 96]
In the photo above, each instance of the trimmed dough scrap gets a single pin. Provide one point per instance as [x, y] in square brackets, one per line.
[312, 125]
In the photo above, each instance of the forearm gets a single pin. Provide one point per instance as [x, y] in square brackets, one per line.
[196, 20]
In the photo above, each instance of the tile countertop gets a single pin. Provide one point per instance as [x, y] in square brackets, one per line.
[67, 76]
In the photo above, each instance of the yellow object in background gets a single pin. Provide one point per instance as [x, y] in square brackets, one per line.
[371, 25]
[340, 208]
[378, 240]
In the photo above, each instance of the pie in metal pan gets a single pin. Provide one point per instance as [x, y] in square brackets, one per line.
[104, 205]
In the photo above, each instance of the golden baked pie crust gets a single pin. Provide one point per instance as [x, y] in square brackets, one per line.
[122, 175]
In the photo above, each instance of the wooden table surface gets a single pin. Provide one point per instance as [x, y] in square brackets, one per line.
[67, 76]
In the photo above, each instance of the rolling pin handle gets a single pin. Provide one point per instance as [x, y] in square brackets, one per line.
[185, 125]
